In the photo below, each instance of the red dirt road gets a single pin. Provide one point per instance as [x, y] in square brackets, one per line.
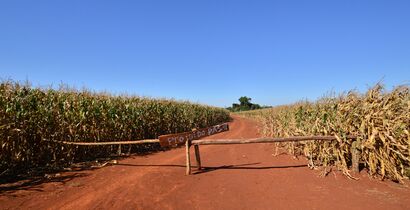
[238, 177]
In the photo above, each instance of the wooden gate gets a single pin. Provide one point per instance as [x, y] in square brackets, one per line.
[192, 138]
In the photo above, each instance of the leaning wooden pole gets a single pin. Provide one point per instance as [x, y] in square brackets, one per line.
[188, 158]
[144, 141]
[197, 157]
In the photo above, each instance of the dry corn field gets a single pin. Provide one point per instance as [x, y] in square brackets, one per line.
[380, 119]
[29, 117]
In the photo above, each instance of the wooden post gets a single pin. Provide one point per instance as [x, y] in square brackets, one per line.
[119, 150]
[188, 158]
[355, 156]
[198, 157]
[129, 149]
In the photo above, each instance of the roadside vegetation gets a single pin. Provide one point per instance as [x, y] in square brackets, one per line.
[245, 105]
[380, 119]
[31, 117]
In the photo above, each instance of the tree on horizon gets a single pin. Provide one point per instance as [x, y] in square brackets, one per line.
[245, 104]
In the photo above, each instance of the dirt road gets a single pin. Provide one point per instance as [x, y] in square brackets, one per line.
[237, 177]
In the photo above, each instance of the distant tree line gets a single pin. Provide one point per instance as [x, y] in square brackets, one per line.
[245, 105]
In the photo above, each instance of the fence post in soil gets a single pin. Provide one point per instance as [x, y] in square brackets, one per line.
[188, 158]
[129, 150]
[197, 156]
[355, 156]
[119, 150]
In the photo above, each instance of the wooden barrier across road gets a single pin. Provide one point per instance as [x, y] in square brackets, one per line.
[192, 138]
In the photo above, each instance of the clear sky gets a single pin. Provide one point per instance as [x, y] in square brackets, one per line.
[212, 52]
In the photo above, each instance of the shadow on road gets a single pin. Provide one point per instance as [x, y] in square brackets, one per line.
[150, 165]
[244, 167]
[34, 184]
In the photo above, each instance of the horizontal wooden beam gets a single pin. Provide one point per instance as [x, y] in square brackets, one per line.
[266, 140]
[106, 143]
[211, 141]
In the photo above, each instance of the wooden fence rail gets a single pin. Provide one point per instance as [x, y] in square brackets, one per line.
[191, 138]
[119, 143]
[144, 141]
[266, 140]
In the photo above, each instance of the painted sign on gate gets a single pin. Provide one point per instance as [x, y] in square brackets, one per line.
[173, 140]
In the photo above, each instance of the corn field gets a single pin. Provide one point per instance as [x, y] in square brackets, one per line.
[29, 117]
[379, 119]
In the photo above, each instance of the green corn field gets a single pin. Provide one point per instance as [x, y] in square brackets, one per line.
[380, 119]
[30, 117]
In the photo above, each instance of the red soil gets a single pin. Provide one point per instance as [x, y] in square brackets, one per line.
[237, 177]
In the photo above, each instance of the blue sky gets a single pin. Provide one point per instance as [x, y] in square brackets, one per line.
[212, 52]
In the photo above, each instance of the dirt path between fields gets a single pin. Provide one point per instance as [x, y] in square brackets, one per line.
[237, 177]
